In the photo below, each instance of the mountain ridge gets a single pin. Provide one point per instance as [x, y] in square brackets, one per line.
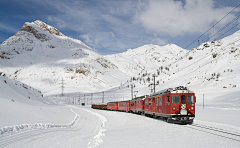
[42, 59]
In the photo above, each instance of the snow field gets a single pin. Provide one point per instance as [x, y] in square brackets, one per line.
[86, 130]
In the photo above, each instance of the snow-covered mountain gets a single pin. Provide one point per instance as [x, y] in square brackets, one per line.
[39, 60]
[211, 69]
[146, 58]
[42, 57]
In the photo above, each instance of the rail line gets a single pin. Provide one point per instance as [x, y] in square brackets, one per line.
[216, 131]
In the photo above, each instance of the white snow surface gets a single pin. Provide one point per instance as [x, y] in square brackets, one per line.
[34, 62]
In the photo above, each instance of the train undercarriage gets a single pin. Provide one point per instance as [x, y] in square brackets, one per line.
[181, 119]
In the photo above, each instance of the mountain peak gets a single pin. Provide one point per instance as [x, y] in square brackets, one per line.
[30, 28]
[48, 28]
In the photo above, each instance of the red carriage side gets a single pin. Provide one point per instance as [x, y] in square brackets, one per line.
[137, 105]
[124, 106]
[112, 106]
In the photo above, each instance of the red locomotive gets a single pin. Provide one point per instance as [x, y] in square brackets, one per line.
[176, 105]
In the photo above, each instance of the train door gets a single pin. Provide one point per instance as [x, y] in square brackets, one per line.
[143, 105]
[156, 104]
[135, 105]
[153, 105]
[160, 104]
[166, 104]
[183, 105]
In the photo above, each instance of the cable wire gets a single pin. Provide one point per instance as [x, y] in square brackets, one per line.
[212, 26]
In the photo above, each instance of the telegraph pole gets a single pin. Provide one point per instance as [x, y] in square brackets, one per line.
[154, 83]
[91, 99]
[103, 98]
[79, 100]
[84, 99]
[62, 86]
[203, 100]
[132, 91]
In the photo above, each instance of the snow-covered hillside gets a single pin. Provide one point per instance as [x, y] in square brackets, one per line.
[37, 61]
[211, 70]
[146, 58]
[20, 103]
[40, 56]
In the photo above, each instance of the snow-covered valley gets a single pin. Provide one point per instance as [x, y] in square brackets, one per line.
[39, 63]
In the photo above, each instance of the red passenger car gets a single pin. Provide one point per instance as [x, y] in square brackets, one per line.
[176, 105]
[124, 106]
[112, 106]
[137, 105]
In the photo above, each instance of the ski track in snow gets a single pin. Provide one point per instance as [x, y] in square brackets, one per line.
[97, 138]
[10, 130]
[26, 133]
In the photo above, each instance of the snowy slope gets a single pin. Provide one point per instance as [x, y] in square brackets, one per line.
[22, 104]
[40, 56]
[146, 58]
[37, 58]
[211, 70]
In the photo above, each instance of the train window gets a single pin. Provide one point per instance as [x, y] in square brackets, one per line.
[160, 101]
[183, 99]
[156, 101]
[150, 102]
[146, 102]
[175, 99]
[168, 100]
[190, 99]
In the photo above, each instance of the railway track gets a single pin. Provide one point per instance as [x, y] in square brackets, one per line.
[215, 131]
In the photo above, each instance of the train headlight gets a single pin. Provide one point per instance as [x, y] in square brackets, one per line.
[173, 108]
[192, 108]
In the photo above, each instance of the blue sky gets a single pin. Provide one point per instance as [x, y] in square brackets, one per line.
[113, 26]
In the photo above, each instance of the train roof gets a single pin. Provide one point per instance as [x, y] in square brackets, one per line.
[179, 89]
[140, 98]
[119, 101]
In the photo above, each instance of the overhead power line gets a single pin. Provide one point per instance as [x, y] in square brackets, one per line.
[228, 24]
[212, 26]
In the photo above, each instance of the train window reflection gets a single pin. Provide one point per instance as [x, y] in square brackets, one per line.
[160, 101]
[168, 100]
[190, 99]
[175, 99]
[183, 99]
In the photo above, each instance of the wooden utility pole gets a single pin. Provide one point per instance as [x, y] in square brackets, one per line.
[62, 86]
[203, 100]
[103, 98]
[84, 99]
[132, 90]
[154, 88]
[79, 100]
[91, 99]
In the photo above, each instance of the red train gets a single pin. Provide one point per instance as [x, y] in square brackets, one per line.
[176, 105]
